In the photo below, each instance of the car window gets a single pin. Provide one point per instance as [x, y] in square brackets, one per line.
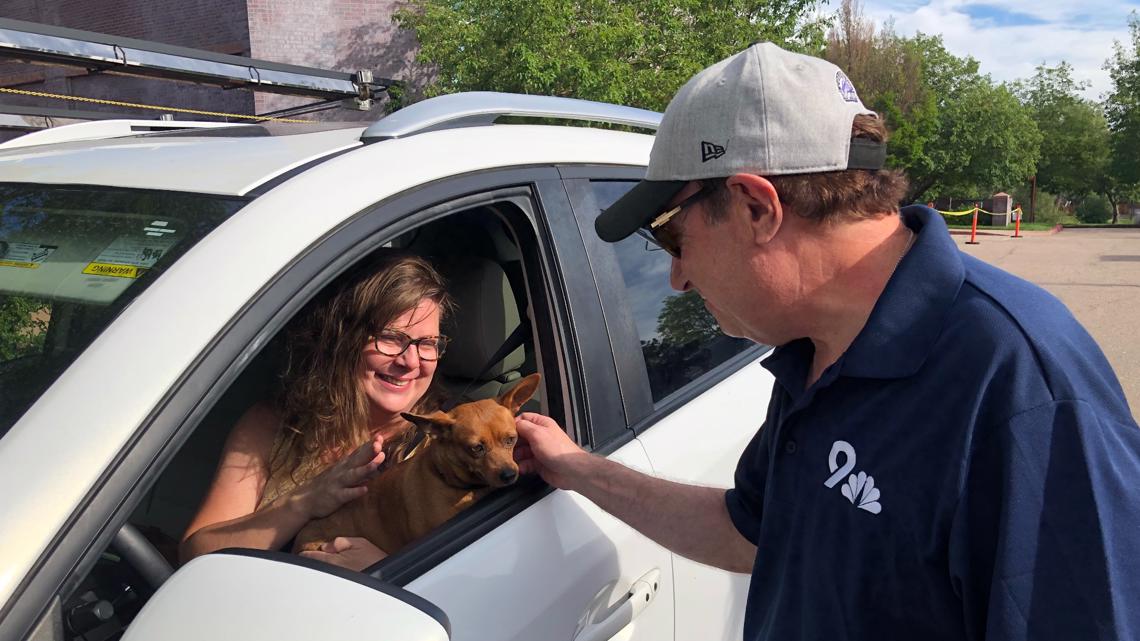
[70, 259]
[679, 338]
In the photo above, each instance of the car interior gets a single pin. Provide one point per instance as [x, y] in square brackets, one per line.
[492, 347]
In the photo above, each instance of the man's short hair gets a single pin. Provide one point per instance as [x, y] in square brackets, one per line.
[832, 196]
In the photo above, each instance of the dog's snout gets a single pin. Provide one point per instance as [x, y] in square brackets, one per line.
[508, 475]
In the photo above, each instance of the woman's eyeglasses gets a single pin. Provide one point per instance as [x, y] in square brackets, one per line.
[391, 342]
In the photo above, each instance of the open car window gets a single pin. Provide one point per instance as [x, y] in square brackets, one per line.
[70, 259]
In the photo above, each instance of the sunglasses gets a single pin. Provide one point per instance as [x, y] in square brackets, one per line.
[666, 236]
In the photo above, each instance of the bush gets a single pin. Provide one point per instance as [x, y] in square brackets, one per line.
[1048, 210]
[1094, 209]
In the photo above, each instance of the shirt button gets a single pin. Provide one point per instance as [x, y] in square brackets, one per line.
[790, 447]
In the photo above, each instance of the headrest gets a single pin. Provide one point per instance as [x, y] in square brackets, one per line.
[485, 316]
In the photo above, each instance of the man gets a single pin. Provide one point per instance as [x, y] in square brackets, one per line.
[946, 455]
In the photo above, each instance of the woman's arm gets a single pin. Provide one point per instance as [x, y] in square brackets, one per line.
[229, 516]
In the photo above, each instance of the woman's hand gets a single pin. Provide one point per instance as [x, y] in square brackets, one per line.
[350, 552]
[342, 482]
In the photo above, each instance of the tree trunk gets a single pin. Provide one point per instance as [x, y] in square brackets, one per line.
[1115, 206]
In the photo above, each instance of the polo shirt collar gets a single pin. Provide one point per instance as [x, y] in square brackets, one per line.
[906, 320]
[909, 315]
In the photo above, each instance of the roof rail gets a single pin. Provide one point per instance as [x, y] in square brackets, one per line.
[484, 107]
[100, 129]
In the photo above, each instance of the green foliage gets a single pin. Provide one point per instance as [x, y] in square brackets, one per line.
[989, 142]
[1122, 107]
[23, 324]
[684, 319]
[1049, 209]
[1094, 209]
[631, 52]
[1075, 139]
[954, 131]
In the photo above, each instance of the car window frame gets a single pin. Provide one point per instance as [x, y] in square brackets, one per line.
[113, 498]
[641, 411]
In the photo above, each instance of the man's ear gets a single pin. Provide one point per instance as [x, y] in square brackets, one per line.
[436, 424]
[766, 214]
[514, 398]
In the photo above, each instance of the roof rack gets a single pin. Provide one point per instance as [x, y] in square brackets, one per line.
[99, 129]
[484, 107]
[115, 54]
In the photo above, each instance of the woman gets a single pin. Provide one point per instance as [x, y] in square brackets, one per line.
[358, 357]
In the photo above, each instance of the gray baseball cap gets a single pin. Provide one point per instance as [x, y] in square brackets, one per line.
[764, 111]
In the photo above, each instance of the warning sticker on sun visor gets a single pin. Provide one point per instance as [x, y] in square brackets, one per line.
[24, 255]
[129, 256]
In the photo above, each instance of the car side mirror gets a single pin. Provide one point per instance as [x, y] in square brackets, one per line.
[251, 594]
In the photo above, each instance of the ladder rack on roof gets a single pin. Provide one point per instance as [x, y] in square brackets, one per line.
[484, 107]
[33, 42]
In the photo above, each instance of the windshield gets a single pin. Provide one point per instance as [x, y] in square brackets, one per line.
[70, 259]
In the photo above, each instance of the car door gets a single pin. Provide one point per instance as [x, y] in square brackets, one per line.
[694, 397]
[560, 567]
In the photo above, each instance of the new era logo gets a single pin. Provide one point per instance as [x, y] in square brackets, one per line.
[710, 151]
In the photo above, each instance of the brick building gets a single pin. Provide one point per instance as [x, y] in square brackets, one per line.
[340, 35]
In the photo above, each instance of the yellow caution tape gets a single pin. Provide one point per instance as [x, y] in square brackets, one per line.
[968, 212]
[135, 105]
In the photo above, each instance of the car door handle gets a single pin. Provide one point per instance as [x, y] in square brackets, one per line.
[615, 618]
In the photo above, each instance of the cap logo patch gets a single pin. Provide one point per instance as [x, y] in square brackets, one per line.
[846, 89]
[709, 151]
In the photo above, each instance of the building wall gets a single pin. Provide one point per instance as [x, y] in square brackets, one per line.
[340, 35]
[220, 26]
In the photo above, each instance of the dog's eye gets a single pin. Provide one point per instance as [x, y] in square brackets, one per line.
[509, 441]
[477, 449]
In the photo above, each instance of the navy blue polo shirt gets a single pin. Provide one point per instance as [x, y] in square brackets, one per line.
[968, 469]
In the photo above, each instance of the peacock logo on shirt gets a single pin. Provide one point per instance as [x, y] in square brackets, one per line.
[860, 488]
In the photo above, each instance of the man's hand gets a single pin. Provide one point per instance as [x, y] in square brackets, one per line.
[547, 450]
[352, 552]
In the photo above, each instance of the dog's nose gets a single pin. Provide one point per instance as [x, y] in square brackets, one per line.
[508, 475]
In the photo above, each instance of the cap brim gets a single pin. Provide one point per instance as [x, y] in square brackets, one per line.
[636, 208]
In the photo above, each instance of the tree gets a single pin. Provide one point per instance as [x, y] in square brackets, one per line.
[1122, 109]
[22, 326]
[988, 142]
[684, 319]
[632, 52]
[1075, 141]
[953, 130]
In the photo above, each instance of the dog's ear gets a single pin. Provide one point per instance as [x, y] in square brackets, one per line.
[514, 398]
[436, 424]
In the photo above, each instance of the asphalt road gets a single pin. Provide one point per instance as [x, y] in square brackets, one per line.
[1095, 272]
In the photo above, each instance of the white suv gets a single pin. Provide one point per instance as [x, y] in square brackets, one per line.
[145, 274]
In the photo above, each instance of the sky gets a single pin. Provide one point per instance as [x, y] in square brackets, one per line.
[1010, 38]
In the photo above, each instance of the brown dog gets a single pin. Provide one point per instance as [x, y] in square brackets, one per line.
[468, 452]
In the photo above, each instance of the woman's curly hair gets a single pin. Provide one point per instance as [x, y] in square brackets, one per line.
[324, 411]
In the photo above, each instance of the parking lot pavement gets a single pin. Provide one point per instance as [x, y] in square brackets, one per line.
[1095, 272]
